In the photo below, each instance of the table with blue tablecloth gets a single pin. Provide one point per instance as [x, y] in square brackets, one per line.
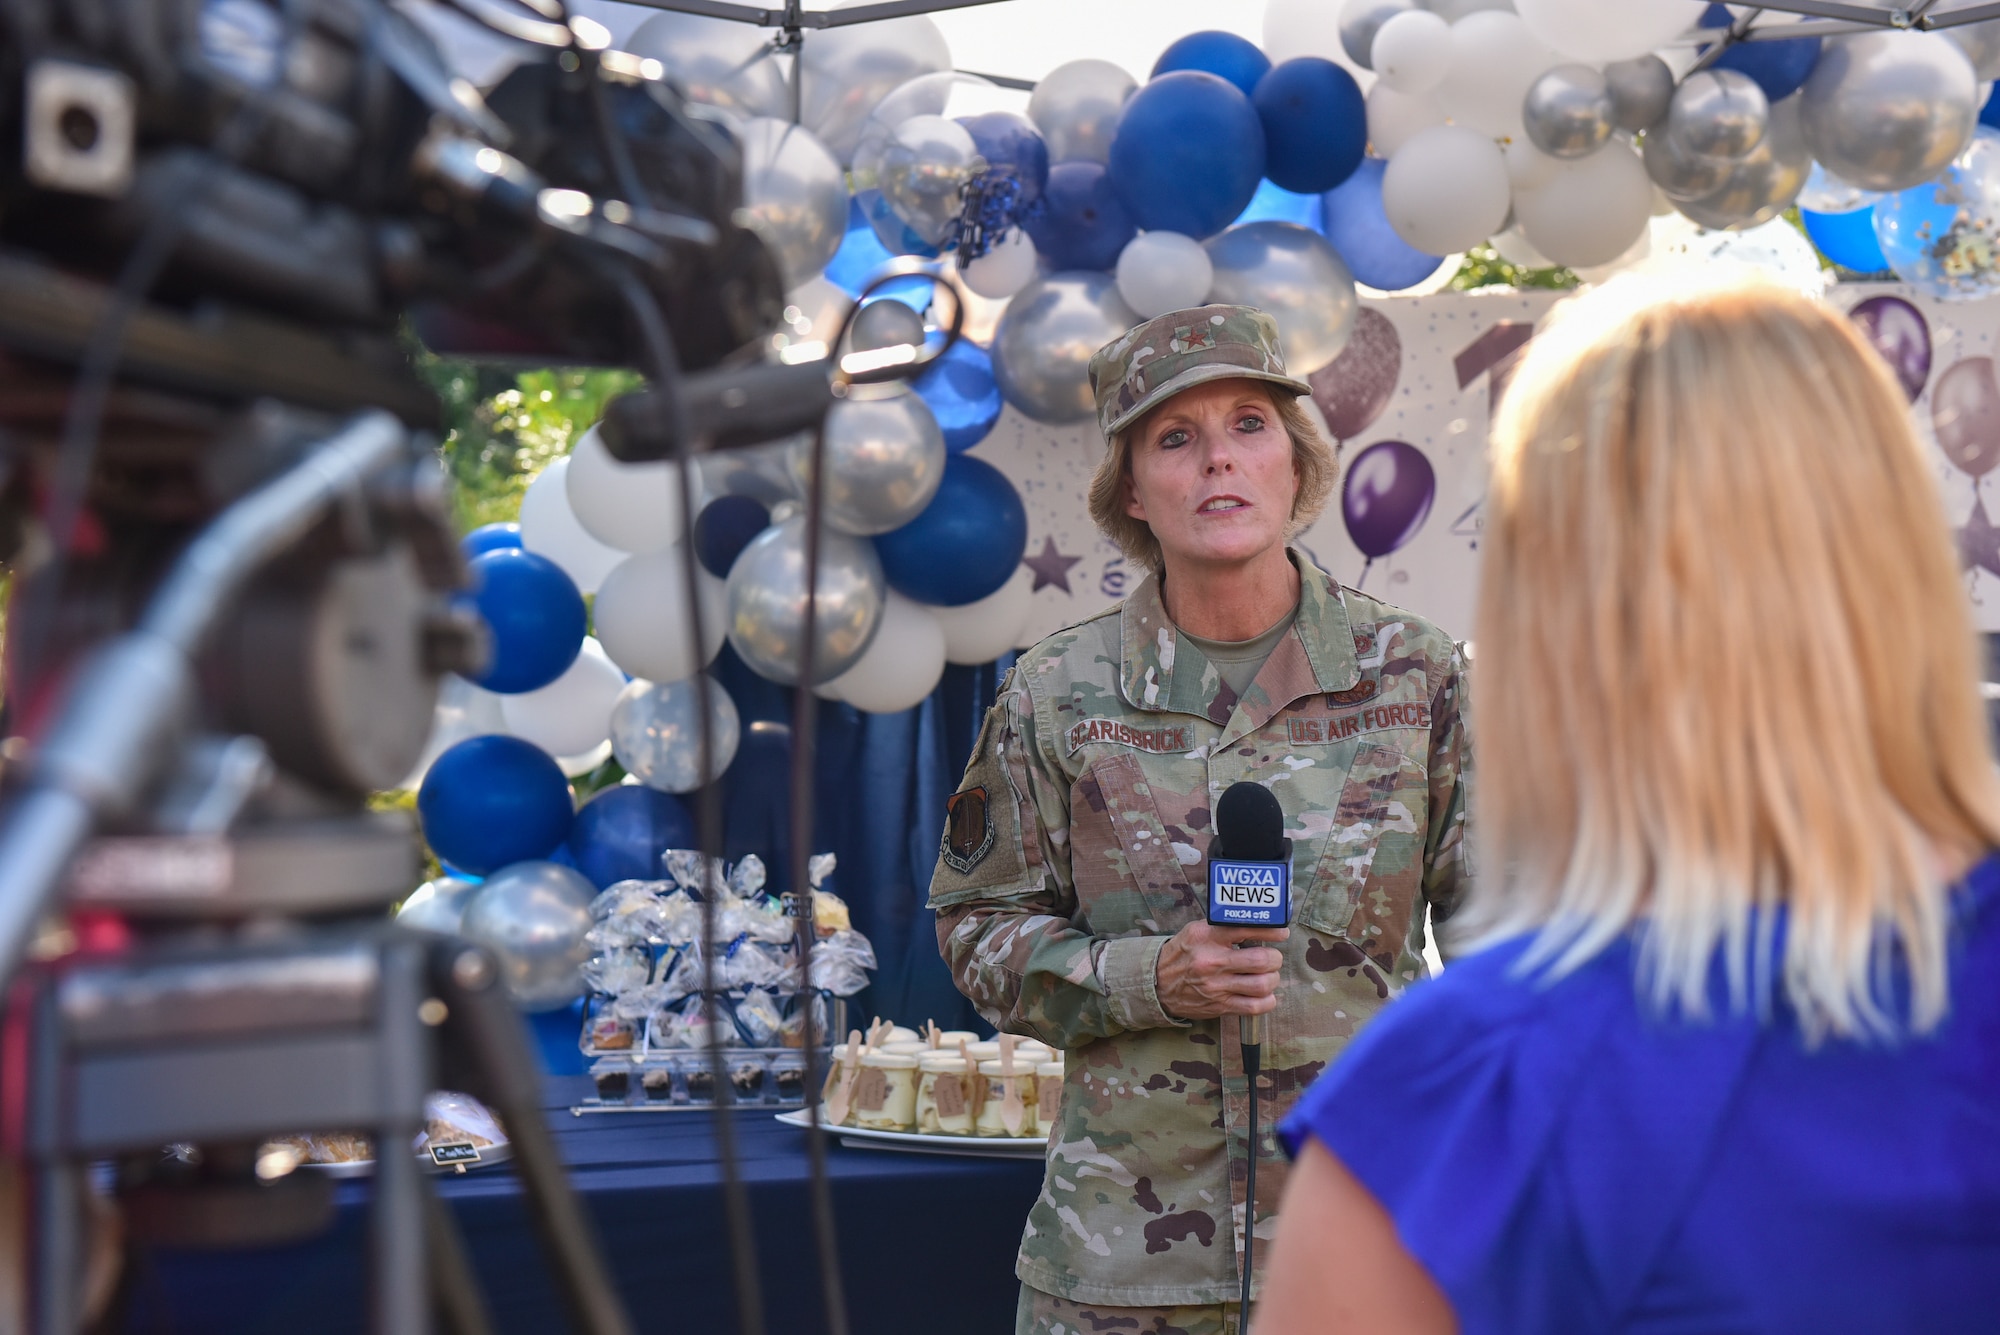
[920, 1235]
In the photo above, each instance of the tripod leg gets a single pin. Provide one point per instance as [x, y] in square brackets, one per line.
[484, 1027]
[461, 1307]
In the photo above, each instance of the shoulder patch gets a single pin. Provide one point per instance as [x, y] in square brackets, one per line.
[1359, 693]
[968, 829]
[1173, 737]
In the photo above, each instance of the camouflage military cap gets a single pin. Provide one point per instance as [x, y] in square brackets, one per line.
[1151, 362]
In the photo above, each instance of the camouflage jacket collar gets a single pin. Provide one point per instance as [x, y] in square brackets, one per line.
[1162, 672]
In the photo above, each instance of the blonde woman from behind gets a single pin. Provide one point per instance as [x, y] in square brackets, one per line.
[1725, 1054]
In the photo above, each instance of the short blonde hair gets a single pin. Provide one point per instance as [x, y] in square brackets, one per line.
[1725, 661]
[1318, 466]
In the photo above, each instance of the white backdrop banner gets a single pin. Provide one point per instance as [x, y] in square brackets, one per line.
[1432, 375]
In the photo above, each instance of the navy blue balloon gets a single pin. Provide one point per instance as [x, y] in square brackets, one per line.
[1778, 67]
[1188, 154]
[1273, 203]
[966, 543]
[490, 538]
[1315, 124]
[1082, 223]
[536, 616]
[1354, 222]
[1848, 239]
[620, 833]
[1219, 53]
[962, 394]
[1010, 143]
[724, 528]
[492, 801]
[1989, 115]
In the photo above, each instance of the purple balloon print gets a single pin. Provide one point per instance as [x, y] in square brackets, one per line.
[1897, 330]
[1353, 389]
[1965, 413]
[1387, 496]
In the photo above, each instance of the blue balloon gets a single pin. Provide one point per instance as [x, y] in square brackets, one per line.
[1989, 112]
[965, 544]
[1223, 54]
[1778, 67]
[724, 528]
[1010, 143]
[620, 833]
[862, 255]
[962, 394]
[890, 229]
[490, 538]
[1358, 228]
[1848, 239]
[1315, 124]
[1273, 203]
[491, 801]
[1082, 224]
[1188, 154]
[536, 616]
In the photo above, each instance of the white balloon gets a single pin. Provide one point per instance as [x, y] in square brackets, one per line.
[901, 665]
[1603, 30]
[1163, 271]
[1528, 168]
[1446, 189]
[550, 528]
[1412, 51]
[1591, 209]
[1637, 254]
[463, 710]
[578, 765]
[795, 195]
[1394, 118]
[641, 616]
[1003, 270]
[1495, 60]
[633, 507]
[980, 632]
[572, 714]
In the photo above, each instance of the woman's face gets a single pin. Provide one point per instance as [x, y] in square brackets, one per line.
[1212, 474]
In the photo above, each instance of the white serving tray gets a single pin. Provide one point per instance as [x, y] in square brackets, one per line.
[910, 1142]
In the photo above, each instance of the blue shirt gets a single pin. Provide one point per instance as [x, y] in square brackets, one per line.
[1560, 1158]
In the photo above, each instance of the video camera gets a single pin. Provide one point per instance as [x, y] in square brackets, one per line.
[234, 576]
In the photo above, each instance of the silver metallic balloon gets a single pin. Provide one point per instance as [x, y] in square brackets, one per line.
[767, 601]
[1297, 277]
[845, 72]
[1360, 20]
[437, 905]
[1718, 114]
[795, 195]
[1887, 110]
[533, 916]
[884, 461]
[715, 61]
[1641, 90]
[923, 169]
[1076, 107]
[1979, 41]
[1052, 328]
[1679, 173]
[1764, 184]
[1568, 111]
[886, 323]
[656, 733]
[762, 472]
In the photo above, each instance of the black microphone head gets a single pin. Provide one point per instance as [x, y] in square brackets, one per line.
[1249, 825]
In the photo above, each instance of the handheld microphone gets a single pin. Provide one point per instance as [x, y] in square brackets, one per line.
[1249, 885]
[1249, 871]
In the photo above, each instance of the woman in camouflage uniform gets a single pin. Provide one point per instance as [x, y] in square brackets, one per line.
[1069, 883]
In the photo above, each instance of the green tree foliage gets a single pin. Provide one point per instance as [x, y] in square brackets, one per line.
[504, 427]
[1484, 267]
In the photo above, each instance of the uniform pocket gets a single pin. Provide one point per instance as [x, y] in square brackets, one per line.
[1134, 869]
[1366, 884]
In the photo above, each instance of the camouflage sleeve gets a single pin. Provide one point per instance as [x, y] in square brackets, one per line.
[1006, 901]
[1447, 858]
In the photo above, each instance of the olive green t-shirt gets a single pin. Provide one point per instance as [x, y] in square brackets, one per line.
[1239, 661]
